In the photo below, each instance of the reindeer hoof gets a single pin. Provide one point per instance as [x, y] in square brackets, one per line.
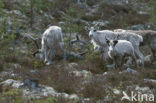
[45, 61]
[49, 63]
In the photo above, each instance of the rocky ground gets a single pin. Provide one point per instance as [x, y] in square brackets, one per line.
[24, 78]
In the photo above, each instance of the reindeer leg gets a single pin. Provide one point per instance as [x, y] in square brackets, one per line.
[134, 59]
[50, 56]
[140, 55]
[45, 54]
[63, 49]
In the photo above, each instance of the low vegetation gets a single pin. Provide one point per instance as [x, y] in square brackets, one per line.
[16, 52]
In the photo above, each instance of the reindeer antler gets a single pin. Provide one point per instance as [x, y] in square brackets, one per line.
[96, 24]
[77, 37]
[33, 39]
[77, 40]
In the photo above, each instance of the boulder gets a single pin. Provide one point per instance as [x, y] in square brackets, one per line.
[140, 27]
[148, 60]
[129, 70]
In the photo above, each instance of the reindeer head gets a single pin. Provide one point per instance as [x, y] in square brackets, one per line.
[112, 43]
[38, 52]
[92, 29]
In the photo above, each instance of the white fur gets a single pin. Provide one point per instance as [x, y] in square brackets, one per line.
[52, 38]
[121, 50]
[99, 37]
[96, 46]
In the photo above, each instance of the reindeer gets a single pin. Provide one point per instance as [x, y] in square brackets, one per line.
[149, 39]
[99, 37]
[52, 39]
[118, 50]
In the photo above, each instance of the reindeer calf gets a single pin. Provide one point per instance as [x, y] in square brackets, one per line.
[119, 49]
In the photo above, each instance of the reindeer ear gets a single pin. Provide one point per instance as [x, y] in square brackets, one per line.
[94, 30]
[87, 28]
[115, 42]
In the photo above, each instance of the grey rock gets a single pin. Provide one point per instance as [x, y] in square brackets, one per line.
[105, 73]
[72, 65]
[30, 83]
[33, 71]
[110, 67]
[71, 55]
[17, 66]
[150, 80]
[116, 91]
[140, 27]
[143, 89]
[85, 100]
[40, 91]
[13, 75]
[129, 70]
[148, 59]
[16, 12]
[101, 23]
[62, 23]
[13, 83]
[83, 73]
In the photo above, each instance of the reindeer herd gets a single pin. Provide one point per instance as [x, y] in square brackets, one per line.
[119, 46]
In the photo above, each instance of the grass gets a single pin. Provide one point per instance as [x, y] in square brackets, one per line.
[59, 77]
[98, 87]
[10, 95]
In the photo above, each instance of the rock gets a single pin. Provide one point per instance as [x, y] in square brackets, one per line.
[30, 83]
[101, 23]
[72, 55]
[148, 60]
[142, 89]
[13, 75]
[110, 67]
[13, 83]
[73, 96]
[33, 71]
[40, 91]
[80, 1]
[16, 12]
[86, 100]
[4, 73]
[82, 73]
[17, 66]
[129, 70]
[115, 91]
[140, 27]
[72, 65]
[150, 80]
[105, 73]
[62, 23]
[107, 99]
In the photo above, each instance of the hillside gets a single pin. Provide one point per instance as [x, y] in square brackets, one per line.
[74, 80]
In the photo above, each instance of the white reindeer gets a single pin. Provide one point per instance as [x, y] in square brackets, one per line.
[52, 40]
[99, 37]
[96, 46]
[149, 39]
[119, 50]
